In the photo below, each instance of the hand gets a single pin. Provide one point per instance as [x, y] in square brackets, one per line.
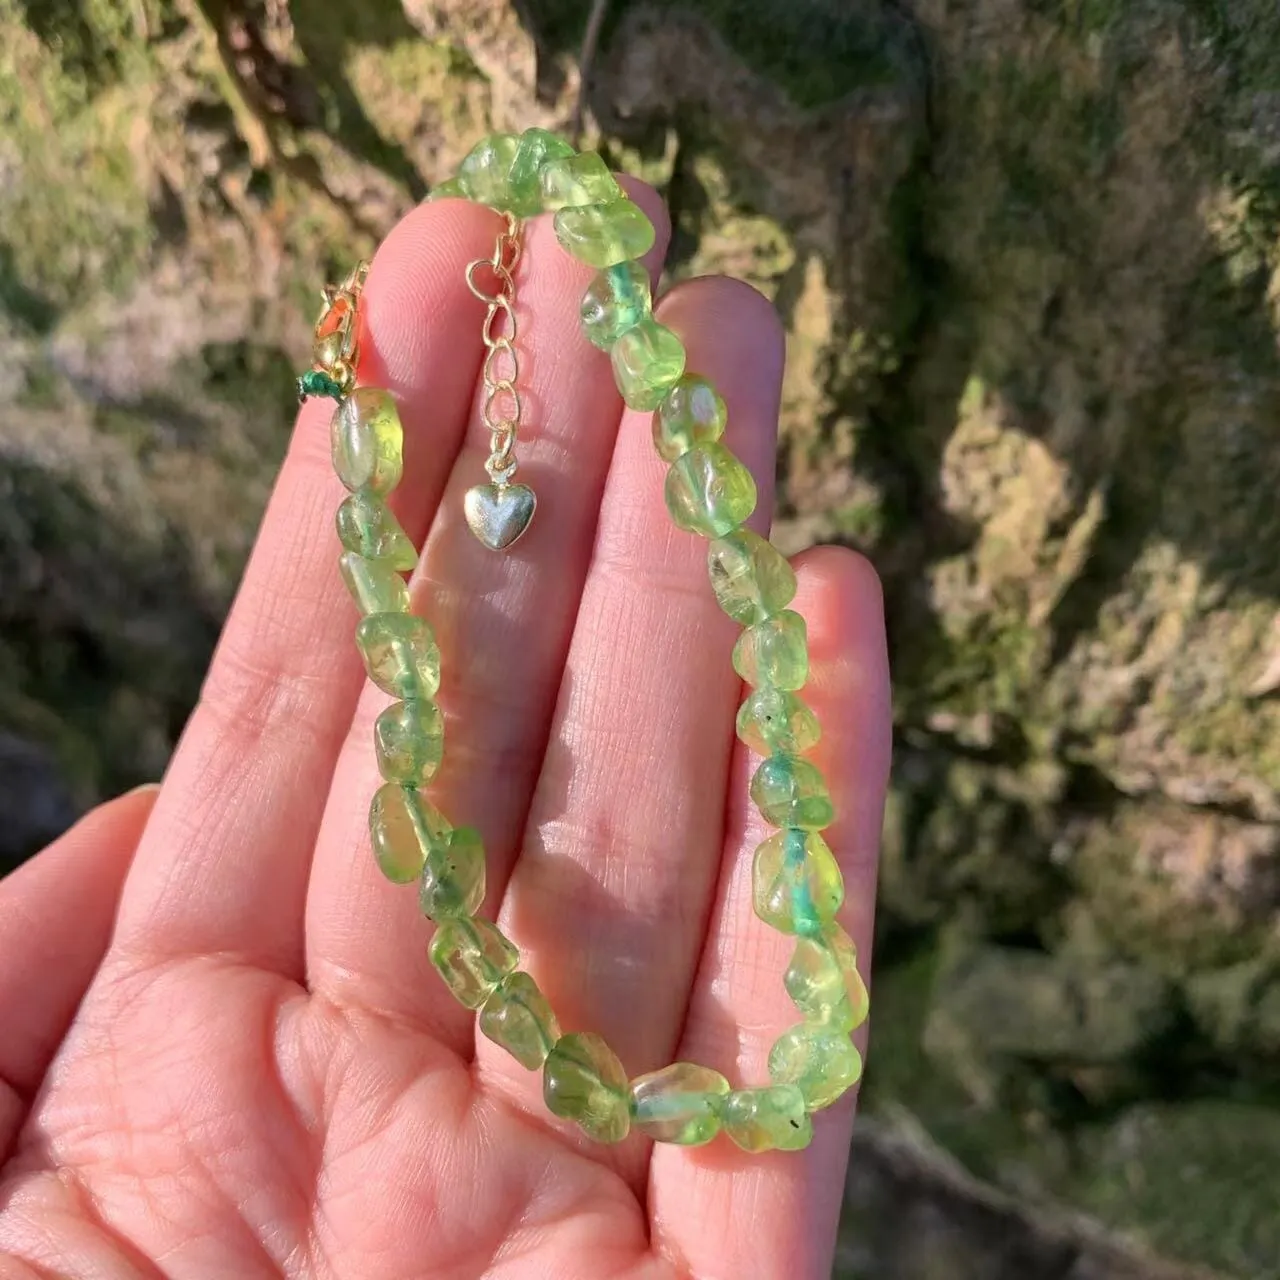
[223, 1051]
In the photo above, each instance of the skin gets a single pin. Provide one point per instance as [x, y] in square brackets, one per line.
[224, 1052]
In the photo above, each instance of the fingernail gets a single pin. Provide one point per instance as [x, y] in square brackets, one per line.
[146, 786]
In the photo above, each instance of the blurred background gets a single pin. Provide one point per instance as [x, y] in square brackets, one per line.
[1028, 254]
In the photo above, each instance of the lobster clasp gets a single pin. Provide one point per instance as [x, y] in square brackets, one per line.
[335, 344]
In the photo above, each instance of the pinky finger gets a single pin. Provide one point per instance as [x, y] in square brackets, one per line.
[739, 1006]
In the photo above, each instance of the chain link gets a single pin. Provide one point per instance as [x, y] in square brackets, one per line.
[500, 405]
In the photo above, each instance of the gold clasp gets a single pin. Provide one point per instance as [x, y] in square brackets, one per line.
[335, 344]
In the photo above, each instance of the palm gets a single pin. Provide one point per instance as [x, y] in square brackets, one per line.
[264, 1075]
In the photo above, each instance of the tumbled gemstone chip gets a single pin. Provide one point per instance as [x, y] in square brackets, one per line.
[791, 792]
[450, 189]
[534, 150]
[751, 578]
[774, 720]
[368, 441]
[367, 526]
[519, 1017]
[403, 827]
[709, 491]
[374, 585]
[583, 1081]
[824, 983]
[769, 1119]
[408, 738]
[647, 360]
[576, 181]
[453, 876]
[473, 957]
[616, 300]
[796, 886]
[485, 172]
[774, 652]
[400, 654]
[680, 1103]
[602, 235]
[692, 412]
[822, 1063]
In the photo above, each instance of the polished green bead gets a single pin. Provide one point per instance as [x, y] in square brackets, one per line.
[796, 886]
[519, 1017]
[602, 235]
[400, 654]
[774, 720]
[368, 441]
[692, 412]
[774, 652]
[403, 827]
[578, 180]
[453, 876]
[374, 585]
[409, 740]
[473, 957]
[823, 980]
[367, 526]
[584, 1081]
[535, 149]
[485, 172]
[616, 300]
[751, 578]
[680, 1103]
[647, 359]
[709, 491]
[451, 188]
[791, 792]
[769, 1119]
[822, 1063]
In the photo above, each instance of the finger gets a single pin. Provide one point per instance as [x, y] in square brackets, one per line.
[739, 1005]
[503, 622]
[225, 862]
[56, 916]
[610, 898]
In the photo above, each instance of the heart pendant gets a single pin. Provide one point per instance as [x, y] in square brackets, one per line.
[499, 514]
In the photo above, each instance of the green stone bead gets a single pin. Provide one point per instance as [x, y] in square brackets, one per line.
[602, 235]
[774, 720]
[647, 360]
[453, 876]
[774, 652]
[400, 654]
[473, 957]
[692, 412]
[584, 1081]
[409, 740]
[485, 172]
[750, 576]
[709, 491]
[367, 527]
[680, 1103]
[368, 441]
[791, 792]
[616, 300]
[576, 181]
[820, 1062]
[520, 1019]
[403, 827]
[374, 585]
[451, 188]
[796, 886]
[769, 1119]
[536, 148]
[824, 983]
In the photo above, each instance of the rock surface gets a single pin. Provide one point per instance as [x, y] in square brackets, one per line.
[1028, 256]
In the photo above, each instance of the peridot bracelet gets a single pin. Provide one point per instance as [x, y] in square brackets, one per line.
[797, 887]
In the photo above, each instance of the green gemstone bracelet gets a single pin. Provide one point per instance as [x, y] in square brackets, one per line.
[796, 883]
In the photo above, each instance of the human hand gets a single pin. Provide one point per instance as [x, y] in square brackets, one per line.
[223, 1051]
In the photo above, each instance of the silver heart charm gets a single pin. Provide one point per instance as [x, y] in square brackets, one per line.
[499, 514]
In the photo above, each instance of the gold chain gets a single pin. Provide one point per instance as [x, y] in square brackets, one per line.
[500, 407]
